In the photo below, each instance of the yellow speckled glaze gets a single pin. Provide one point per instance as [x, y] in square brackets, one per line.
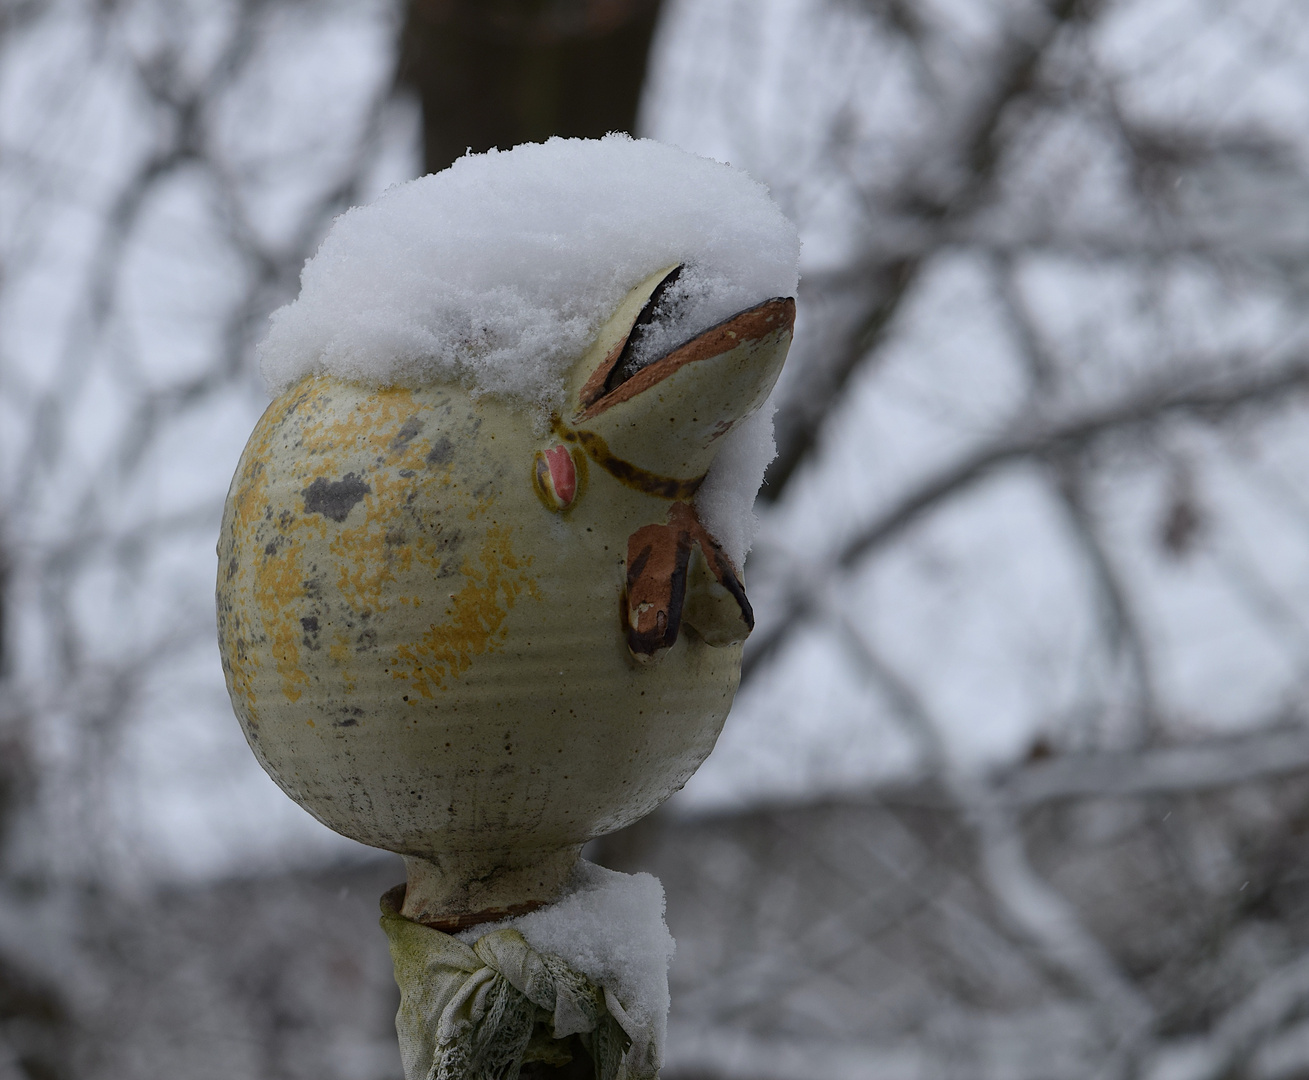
[429, 658]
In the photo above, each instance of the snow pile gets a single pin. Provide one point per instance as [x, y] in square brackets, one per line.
[499, 271]
[610, 927]
[725, 501]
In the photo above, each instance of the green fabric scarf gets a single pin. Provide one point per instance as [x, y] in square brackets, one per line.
[481, 1011]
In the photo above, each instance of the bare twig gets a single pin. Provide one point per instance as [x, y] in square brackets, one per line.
[1040, 441]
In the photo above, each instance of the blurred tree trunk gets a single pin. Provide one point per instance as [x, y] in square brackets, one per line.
[496, 73]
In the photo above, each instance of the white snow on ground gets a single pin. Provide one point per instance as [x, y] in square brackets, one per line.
[610, 927]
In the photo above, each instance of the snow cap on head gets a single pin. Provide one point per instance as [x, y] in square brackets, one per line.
[498, 271]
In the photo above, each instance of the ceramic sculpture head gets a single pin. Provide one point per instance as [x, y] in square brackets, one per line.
[454, 632]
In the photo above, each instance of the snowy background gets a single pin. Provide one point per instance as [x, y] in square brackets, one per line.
[1042, 501]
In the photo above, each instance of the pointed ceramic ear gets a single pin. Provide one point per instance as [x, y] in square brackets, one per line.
[666, 418]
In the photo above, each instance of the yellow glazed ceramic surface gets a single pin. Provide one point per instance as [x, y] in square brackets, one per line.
[434, 627]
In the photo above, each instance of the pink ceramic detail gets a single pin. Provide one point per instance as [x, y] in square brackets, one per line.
[563, 474]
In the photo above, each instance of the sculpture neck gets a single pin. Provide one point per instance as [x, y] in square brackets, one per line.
[452, 892]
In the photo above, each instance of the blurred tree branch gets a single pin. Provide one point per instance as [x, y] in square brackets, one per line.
[972, 157]
[1226, 392]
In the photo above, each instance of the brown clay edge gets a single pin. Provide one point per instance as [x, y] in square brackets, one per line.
[393, 900]
[685, 517]
[456, 923]
[593, 389]
[749, 325]
[720, 565]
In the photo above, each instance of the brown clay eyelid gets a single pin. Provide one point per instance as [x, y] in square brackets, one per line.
[748, 325]
[597, 383]
[650, 310]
